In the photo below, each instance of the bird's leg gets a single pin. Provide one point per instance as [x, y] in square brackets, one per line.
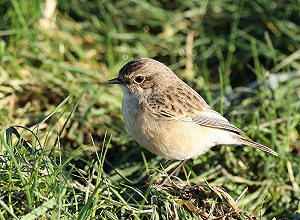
[146, 179]
[174, 171]
[165, 164]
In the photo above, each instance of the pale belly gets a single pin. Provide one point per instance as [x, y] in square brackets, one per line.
[167, 138]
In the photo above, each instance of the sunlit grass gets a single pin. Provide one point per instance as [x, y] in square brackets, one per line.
[242, 57]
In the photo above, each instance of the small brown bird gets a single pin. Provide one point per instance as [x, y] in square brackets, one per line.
[169, 118]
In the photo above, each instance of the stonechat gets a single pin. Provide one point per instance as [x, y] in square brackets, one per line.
[168, 117]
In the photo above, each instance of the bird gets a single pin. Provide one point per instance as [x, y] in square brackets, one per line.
[169, 118]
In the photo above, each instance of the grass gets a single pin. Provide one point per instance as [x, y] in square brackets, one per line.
[78, 159]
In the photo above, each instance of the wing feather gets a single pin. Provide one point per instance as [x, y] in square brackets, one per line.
[184, 104]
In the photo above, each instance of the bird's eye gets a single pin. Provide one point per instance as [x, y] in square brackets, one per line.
[139, 79]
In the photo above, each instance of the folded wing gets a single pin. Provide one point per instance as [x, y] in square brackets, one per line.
[184, 104]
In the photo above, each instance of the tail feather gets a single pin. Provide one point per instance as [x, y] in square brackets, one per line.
[250, 143]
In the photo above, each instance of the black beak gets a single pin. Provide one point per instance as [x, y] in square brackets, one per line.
[114, 81]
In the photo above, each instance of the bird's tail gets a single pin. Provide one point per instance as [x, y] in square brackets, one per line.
[250, 143]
